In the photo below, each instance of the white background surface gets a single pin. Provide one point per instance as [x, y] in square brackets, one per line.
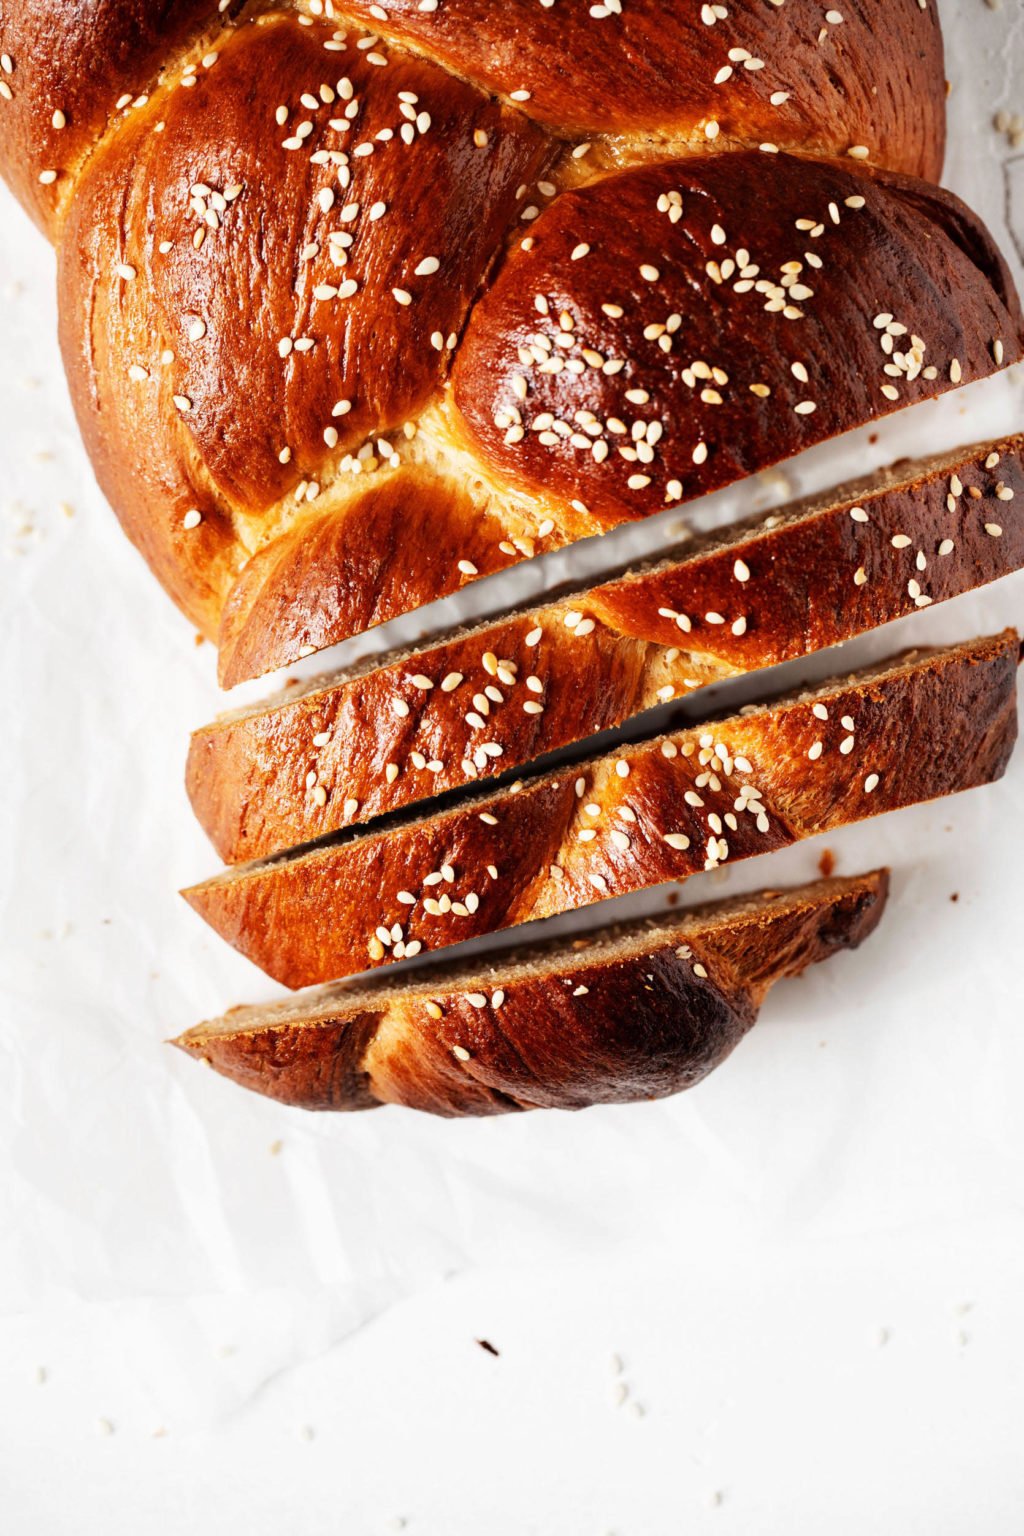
[812, 1267]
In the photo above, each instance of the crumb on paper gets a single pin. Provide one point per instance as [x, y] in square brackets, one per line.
[827, 863]
[1010, 126]
[486, 1345]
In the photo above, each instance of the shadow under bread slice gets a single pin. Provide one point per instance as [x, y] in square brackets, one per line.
[921, 726]
[360, 744]
[637, 1012]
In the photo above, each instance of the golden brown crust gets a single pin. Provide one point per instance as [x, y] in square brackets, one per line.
[382, 552]
[631, 422]
[243, 369]
[304, 765]
[207, 382]
[638, 352]
[70, 68]
[648, 1013]
[660, 810]
[790, 74]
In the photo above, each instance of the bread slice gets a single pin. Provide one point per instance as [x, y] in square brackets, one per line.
[642, 1011]
[345, 749]
[924, 725]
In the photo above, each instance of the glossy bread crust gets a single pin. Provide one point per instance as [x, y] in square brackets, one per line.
[410, 539]
[342, 752]
[206, 320]
[925, 726]
[71, 69]
[638, 1015]
[639, 352]
[262, 293]
[793, 74]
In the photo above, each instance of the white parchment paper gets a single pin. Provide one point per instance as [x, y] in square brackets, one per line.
[191, 1250]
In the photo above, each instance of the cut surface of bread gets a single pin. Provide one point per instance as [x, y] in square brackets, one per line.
[637, 1013]
[344, 750]
[924, 725]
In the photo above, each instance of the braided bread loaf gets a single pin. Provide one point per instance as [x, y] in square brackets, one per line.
[644, 1010]
[354, 316]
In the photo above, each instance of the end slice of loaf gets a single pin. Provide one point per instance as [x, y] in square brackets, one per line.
[924, 725]
[349, 748]
[640, 1012]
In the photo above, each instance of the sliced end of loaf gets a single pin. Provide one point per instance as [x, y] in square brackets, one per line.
[637, 1011]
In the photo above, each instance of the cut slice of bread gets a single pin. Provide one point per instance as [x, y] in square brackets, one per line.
[638, 1012]
[369, 741]
[924, 725]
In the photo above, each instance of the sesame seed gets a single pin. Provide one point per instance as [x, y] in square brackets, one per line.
[871, 783]
[192, 518]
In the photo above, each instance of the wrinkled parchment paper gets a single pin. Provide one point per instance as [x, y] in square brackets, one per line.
[214, 1242]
